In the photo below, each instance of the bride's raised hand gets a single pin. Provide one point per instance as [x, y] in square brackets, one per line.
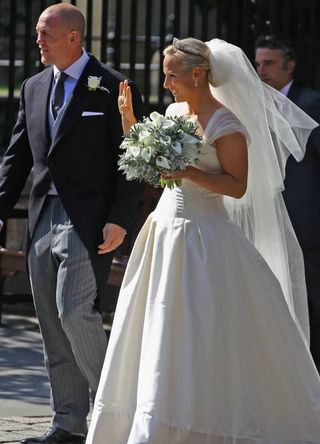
[125, 106]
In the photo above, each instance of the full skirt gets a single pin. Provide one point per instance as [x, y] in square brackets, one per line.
[203, 348]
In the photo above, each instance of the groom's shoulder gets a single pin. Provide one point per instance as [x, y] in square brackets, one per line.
[107, 70]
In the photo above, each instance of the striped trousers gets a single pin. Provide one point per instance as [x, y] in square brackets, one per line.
[64, 289]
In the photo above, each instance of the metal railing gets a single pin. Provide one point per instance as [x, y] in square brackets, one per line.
[131, 34]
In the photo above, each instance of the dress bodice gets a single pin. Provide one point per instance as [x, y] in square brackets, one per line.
[221, 123]
[190, 200]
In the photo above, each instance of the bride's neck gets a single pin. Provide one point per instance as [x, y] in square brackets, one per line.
[203, 104]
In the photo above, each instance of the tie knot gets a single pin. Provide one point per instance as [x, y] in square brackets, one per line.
[60, 76]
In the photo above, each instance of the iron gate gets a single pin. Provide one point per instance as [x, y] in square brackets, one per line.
[131, 34]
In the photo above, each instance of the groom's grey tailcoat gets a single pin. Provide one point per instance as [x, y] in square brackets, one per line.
[81, 160]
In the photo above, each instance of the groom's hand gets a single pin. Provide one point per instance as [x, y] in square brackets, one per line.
[113, 236]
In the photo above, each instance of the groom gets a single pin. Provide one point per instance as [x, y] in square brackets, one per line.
[69, 130]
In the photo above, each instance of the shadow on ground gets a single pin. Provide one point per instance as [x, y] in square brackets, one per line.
[22, 373]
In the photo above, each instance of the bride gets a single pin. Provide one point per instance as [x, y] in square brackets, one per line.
[209, 343]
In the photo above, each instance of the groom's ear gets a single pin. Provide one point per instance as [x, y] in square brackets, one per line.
[74, 37]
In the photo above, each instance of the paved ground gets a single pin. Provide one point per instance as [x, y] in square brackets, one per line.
[24, 388]
[14, 428]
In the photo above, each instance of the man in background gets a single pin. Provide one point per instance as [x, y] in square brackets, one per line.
[275, 64]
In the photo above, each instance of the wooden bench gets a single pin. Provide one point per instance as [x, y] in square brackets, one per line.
[13, 261]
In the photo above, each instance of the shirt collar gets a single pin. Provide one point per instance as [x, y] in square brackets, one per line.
[286, 88]
[75, 70]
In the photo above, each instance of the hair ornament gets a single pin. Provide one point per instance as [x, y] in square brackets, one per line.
[178, 44]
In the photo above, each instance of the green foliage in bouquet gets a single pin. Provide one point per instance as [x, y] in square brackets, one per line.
[157, 144]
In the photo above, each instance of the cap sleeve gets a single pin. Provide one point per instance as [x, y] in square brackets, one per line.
[177, 109]
[223, 123]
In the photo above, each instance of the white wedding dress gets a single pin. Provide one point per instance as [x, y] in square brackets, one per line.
[203, 348]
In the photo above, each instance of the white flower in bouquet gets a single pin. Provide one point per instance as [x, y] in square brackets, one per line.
[159, 144]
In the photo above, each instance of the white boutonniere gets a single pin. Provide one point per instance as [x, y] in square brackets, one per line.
[94, 84]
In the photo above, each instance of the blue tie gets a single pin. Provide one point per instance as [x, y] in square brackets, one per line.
[58, 93]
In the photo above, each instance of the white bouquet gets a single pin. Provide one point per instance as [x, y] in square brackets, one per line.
[158, 144]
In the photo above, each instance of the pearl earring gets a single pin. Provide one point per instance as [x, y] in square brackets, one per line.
[196, 83]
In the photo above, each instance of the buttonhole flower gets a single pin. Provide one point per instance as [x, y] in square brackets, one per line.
[94, 84]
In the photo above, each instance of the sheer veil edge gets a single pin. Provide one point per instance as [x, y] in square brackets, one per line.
[276, 128]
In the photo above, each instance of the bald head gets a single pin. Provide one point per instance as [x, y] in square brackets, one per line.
[60, 31]
[67, 15]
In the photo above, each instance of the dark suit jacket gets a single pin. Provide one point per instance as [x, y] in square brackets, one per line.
[81, 160]
[302, 182]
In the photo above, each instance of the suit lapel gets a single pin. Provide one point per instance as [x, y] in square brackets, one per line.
[79, 100]
[42, 95]
[294, 93]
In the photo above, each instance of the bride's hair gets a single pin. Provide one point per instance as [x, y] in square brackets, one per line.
[192, 52]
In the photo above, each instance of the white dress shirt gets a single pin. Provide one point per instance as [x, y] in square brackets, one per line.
[286, 88]
[74, 72]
